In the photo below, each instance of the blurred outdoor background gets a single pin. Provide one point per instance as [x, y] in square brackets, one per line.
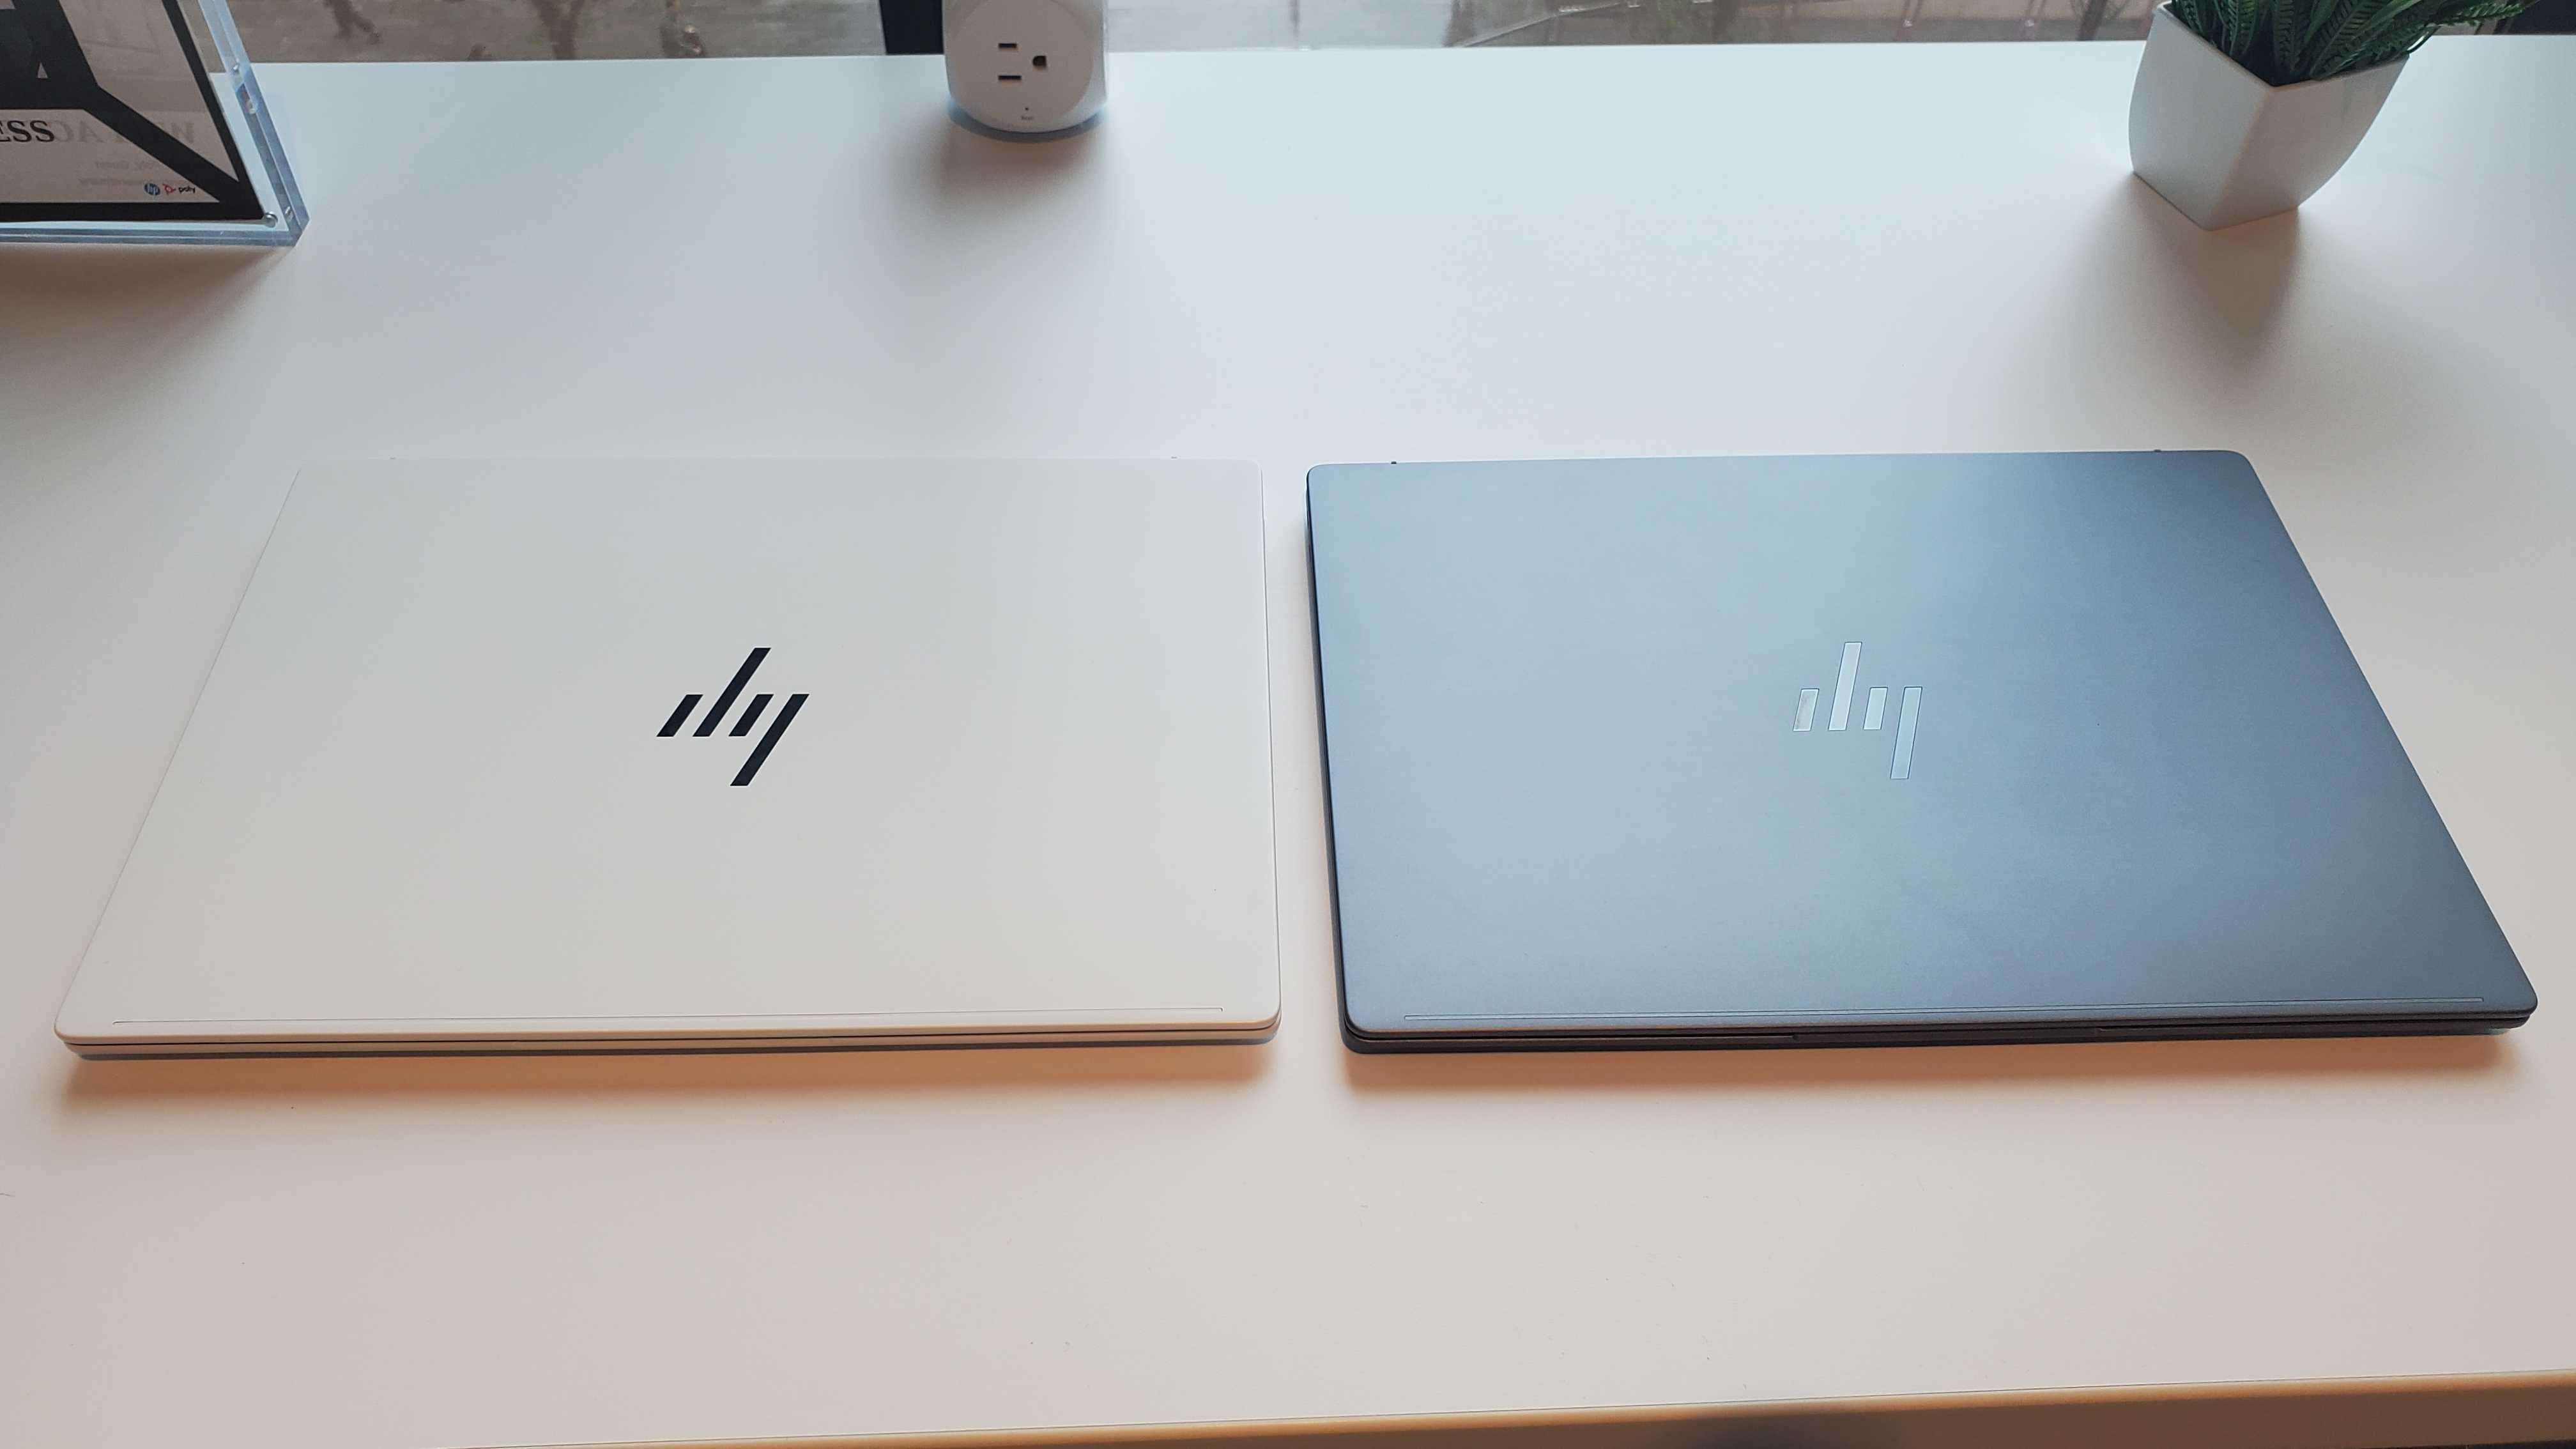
[539, 29]
[603, 29]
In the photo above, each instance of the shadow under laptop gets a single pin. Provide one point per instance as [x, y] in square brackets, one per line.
[1927, 1066]
[696, 1073]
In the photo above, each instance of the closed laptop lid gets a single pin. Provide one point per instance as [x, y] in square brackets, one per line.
[718, 753]
[1788, 748]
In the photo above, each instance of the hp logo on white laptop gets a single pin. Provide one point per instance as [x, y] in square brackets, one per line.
[750, 716]
[1873, 714]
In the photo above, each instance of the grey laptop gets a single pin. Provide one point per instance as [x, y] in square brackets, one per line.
[1786, 751]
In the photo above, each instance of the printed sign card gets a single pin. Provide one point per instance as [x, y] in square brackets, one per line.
[107, 114]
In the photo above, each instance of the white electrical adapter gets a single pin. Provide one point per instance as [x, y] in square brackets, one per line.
[1027, 65]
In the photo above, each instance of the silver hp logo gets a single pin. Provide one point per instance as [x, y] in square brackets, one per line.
[1873, 715]
[750, 716]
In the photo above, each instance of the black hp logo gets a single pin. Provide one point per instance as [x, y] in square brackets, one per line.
[750, 717]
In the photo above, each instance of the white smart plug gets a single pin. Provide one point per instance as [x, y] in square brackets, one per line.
[1027, 65]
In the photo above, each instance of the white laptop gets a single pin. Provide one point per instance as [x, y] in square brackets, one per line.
[508, 756]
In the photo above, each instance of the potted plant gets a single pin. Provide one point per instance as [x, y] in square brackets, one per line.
[2245, 107]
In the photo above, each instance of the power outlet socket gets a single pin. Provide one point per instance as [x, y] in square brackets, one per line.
[1030, 66]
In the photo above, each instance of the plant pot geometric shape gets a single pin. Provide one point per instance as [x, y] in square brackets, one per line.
[2223, 146]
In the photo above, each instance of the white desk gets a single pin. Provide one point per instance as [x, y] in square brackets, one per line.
[1293, 258]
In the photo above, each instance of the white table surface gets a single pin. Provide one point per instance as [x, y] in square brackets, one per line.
[1294, 258]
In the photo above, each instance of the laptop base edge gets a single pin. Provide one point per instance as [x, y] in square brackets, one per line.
[1917, 1036]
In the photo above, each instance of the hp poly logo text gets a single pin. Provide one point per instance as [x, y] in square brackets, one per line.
[750, 716]
[1873, 715]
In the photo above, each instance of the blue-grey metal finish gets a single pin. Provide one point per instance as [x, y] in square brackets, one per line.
[2153, 794]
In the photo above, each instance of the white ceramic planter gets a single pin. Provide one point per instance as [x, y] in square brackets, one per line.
[2224, 147]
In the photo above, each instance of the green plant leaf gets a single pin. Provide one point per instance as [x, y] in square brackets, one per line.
[2283, 42]
[2324, 18]
[2284, 36]
[2320, 21]
[2237, 18]
[2367, 26]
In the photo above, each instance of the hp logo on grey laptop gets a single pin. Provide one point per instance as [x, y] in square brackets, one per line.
[750, 716]
[1873, 715]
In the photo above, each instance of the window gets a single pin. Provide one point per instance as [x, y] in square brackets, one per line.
[603, 29]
